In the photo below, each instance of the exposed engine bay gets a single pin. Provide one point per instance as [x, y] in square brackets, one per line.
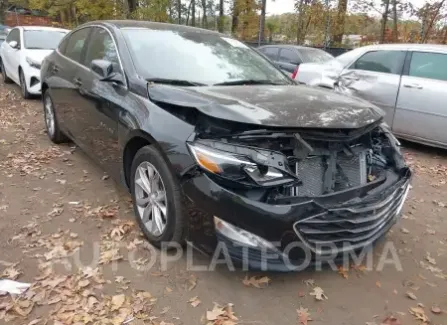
[272, 165]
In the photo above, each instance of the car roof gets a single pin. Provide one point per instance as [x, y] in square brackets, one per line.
[288, 46]
[138, 24]
[408, 47]
[43, 28]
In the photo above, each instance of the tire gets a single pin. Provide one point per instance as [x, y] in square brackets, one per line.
[23, 87]
[6, 79]
[175, 221]
[53, 131]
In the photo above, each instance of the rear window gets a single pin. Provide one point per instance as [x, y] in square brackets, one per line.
[42, 39]
[315, 55]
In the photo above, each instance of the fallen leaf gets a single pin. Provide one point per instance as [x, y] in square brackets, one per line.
[378, 284]
[83, 283]
[303, 316]
[194, 301]
[343, 272]
[258, 282]
[309, 282]
[318, 293]
[11, 273]
[405, 230]
[436, 310]
[118, 301]
[411, 295]
[430, 259]
[391, 320]
[168, 289]
[34, 322]
[419, 314]
[164, 310]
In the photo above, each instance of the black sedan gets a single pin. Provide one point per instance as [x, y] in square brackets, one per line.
[218, 146]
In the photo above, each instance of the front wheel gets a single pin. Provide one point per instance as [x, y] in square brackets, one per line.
[23, 87]
[51, 123]
[6, 79]
[157, 198]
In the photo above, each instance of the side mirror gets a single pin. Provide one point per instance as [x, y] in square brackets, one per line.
[14, 44]
[105, 69]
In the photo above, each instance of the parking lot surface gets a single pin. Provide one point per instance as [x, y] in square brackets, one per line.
[68, 229]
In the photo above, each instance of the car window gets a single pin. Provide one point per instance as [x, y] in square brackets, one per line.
[14, 35]
[381, 61]
[101, 46]
[315, 55]
[42, 39]
[63, 45]
[205, 57]
[270, 52]
[76, 43]
[289, 56]
[429, 65]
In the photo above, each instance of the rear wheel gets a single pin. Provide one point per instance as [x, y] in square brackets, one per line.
[52, 126]
[6, 79]
[25, 93]
[156, 198]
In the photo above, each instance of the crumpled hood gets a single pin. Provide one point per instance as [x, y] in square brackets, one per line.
[276, 106]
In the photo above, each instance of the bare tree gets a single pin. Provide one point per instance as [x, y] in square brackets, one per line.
[220, 23]
[204, 18]
[386, 4]
[193, 12]
[340, 21]
[395, 33]
[434, 15]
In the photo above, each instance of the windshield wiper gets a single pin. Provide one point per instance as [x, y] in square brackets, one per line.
[175, 82]
[249, 82]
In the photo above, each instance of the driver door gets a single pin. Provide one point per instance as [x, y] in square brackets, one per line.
[11, 59]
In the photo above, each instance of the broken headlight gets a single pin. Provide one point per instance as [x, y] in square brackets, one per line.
[239, 166]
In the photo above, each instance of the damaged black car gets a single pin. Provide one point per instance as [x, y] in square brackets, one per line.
[219, 148]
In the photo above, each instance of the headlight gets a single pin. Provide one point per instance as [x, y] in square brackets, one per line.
[33, 63]
[240, 165]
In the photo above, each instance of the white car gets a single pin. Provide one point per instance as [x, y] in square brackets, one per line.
[22, 54]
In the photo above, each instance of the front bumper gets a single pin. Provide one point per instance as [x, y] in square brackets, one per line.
[32, 79]
[303, 232]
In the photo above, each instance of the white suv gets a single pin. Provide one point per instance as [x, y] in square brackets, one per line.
[22, 54]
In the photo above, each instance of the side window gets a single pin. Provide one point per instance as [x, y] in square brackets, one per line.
[63, 45]
[102, 47]
[381, 61]
[429, 65]
[270, 52]
[14, 35]
[76, 43]
[289, 56]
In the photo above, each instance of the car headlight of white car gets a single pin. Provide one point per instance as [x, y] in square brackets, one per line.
[33, 63]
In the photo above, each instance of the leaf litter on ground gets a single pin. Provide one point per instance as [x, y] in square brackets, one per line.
[256, 281]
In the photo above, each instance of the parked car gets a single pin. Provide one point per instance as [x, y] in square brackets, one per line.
[22, 53]
[289, 57]
[217, 145]
[406, 80]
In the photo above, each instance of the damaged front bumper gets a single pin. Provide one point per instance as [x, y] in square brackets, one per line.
[287, 237]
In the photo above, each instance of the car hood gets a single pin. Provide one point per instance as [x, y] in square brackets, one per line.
[38, 55]
[268, 105]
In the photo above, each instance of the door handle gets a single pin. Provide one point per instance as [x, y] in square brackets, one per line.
[55, 69]
[77, 82]
[416, 86]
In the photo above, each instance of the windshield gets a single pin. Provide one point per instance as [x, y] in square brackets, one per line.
[315, 55]
[197, 57]
[42, 39]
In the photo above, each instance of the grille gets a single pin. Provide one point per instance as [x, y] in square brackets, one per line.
[351, 227]
[351, 171]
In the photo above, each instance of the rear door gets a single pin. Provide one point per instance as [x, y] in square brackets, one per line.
[421, 111]
[288, 60]
[375, 76]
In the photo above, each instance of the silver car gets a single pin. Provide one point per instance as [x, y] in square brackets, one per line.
[408, 81]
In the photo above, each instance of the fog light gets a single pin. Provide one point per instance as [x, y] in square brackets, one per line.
[241, 236]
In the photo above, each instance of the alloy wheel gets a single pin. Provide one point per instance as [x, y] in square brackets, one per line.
[49, 116]
[151, 199]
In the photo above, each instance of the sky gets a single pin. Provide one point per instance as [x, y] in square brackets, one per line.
[282, 6]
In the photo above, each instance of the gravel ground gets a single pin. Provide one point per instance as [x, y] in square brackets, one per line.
[59, 212]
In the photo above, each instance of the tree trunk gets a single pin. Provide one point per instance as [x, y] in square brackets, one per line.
[132, 5]
[187, 14]
[262, 22]
[340, 22]
[433, 18]
[444, 38]
[384, 21]
[3, 6]
[300, 22]
[235, 17]
[204, 18]
[220, 23]
[395, 33]
[179, 11]
[193, 12]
